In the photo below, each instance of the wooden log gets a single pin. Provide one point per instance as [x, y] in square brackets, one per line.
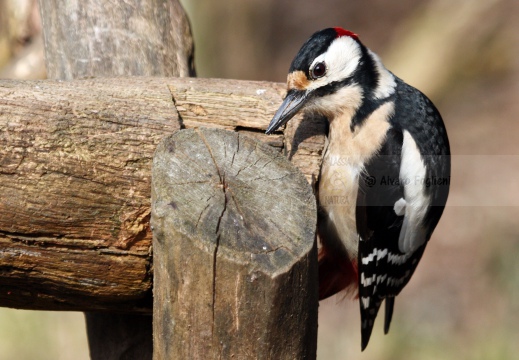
[235, 262]
[75, 161]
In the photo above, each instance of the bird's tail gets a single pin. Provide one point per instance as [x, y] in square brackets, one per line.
[390, 303]
[368, 312]
[369, 307]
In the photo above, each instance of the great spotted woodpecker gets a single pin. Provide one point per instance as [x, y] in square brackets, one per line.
[385, 175]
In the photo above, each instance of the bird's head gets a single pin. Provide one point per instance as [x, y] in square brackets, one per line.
[331, 74]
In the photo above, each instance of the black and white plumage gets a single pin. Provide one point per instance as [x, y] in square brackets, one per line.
[385, 176]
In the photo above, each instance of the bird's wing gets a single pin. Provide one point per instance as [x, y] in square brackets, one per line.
[402, 194]
[383, 214]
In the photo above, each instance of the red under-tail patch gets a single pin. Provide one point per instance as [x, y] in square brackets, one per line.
[341, 32]
[336, 274]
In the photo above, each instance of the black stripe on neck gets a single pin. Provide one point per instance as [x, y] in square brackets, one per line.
[369, 105]
[366, 74]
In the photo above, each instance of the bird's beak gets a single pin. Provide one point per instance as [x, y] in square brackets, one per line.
[293, 102]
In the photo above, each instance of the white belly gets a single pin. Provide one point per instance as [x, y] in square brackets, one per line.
[338, 189]
[342, 165]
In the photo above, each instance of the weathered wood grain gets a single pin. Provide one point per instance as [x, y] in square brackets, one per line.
[244, 106]
[234, 250]
[75, 160]
[116, 38]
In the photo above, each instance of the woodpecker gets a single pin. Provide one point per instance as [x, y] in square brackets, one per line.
[385, 176]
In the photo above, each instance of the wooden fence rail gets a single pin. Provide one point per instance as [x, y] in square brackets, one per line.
[75, 185]
[75, 160]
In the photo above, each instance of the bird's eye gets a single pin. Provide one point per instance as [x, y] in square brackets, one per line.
[319, 70]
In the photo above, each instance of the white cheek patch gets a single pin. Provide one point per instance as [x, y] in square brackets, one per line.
[412, 174]
[341, 59]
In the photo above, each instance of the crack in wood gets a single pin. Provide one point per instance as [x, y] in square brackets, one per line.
[250, 165]
[174, 100]
[216, 252]
[251, 129]
[267, 163]
[237, 150]
[43, 241]
[217, 231]
[281, 231]
[109, 251]
[276, 249]
[202, 212]
[238, 208]
[191, 182]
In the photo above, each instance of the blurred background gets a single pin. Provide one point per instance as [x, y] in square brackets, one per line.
[463, 301]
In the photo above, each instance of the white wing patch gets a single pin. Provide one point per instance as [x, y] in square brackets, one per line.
[412, 175]
[399, 207]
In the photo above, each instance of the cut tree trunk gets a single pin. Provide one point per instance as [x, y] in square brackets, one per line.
[235, 262]
[75, 161]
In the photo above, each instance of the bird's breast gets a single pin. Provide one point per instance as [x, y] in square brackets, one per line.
[343, 163]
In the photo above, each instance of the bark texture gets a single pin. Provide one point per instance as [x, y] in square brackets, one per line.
[86, 38]
[75, 165]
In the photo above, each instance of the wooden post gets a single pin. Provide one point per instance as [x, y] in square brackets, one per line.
[116, 38]
[109, 38]
[235, 265]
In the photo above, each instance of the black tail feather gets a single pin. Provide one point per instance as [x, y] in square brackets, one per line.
[367, 318]
[365, 335]
[390, 303]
